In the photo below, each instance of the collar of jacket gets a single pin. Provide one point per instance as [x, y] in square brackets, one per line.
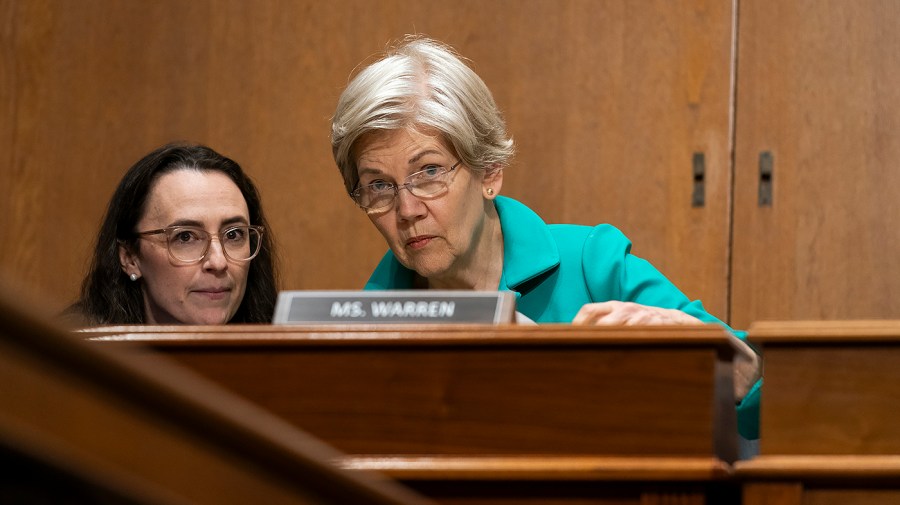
[529, 249]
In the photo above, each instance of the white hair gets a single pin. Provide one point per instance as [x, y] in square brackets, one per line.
[421, 83]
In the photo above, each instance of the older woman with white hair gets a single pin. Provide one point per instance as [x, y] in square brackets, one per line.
[421, 146]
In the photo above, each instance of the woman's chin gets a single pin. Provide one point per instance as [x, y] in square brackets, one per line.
[428, 266]
[208, 318]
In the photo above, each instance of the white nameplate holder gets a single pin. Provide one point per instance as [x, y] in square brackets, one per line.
[394, 307]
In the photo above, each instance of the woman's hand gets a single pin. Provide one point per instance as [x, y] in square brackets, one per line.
[747, 364]
[629, 314]
[747, 368]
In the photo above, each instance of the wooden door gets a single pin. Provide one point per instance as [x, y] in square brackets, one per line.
[817, 89]
[609, 103]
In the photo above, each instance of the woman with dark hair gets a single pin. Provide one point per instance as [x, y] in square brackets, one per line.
[184, 241]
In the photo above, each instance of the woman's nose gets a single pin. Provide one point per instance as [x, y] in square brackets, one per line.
[215, 257]
[409, 206]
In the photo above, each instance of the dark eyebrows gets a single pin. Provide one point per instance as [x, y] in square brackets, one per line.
[235, 220]
[198, 224]
[186, 222]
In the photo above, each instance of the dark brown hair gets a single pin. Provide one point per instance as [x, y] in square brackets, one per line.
[109, 297]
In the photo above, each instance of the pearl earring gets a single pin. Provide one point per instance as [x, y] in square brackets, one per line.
[133, 277]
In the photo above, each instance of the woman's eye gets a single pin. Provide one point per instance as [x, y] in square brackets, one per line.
[431, 171]
[380, 186]
[235, 234]
[185, 236]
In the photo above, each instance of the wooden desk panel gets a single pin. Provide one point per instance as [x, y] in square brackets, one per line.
[478, 390]
[831, 387]
[560, 480]
[492, 415]
[106, 425]
[820, 480]
[830, 427]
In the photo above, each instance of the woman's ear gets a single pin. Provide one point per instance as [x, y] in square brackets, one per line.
[493, 181]
[129, 261]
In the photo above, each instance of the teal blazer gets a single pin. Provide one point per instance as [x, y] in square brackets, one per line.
[555, 269]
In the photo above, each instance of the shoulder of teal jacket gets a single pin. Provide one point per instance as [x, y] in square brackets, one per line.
[607, 240]
[603, 259]
[613, 273]
[528, 246]
[390, 274]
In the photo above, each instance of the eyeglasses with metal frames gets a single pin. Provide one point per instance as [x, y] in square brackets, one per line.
[190, 244]
[380, 195]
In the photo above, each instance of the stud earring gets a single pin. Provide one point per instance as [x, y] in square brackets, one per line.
[133, 277]
[490, 191]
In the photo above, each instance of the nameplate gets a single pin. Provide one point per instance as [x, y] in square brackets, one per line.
[394, 307]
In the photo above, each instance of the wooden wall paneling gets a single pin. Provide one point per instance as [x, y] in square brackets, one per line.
[816, 88]
[312, 65]
[98, 85]
[607, 102]
[300, 56]
[8, 78]
[22, 210]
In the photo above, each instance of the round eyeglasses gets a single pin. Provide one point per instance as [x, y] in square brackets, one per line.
[189, 244]
[380, 195]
